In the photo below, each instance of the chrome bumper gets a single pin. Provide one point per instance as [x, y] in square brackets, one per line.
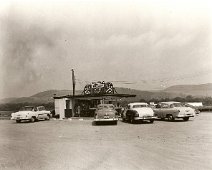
[106, 120]
[20, 118]
[144, 118]
[182, 116]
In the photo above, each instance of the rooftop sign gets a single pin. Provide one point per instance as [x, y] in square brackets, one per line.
[98, 88]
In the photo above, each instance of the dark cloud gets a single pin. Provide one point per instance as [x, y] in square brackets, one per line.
[25, 46]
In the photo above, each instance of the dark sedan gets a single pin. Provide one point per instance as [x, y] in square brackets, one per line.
[106, 113]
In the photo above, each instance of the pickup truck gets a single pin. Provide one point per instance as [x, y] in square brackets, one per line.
[31, 114]
[173, 110]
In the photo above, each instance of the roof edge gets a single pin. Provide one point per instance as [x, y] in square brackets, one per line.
[98, 95]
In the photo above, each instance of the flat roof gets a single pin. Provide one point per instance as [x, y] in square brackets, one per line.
[171, 102]
[96, 96]
[137, 103]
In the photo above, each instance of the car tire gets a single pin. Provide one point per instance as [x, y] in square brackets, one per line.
[132, 121]
[48, 117]
[186, 118]
[18, 121]
[170, 118]
[151, 121]
[32, 119]
[127, 119]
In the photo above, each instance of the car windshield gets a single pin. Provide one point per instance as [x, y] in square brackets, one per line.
[139, 106]
[100, 107]
[26, 109]
[163, 105]
[40, 108]
[177, 105]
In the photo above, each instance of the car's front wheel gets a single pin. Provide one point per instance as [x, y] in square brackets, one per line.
[132, 120]
[151, 121]
[170, 118]
[18, 121]
[48, 117]
[186, 118]
[32, 119]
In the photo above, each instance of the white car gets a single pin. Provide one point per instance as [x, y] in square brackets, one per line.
[31, 113]
[173, 110]
[42, 113]
[138, 111]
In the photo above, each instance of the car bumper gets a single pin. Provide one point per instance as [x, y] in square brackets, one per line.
[182, 116]
[105, 120]
[20, 118]
[145, 118]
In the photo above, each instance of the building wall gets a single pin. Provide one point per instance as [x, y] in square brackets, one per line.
[60, 106]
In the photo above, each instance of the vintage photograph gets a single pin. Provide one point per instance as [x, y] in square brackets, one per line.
[105, 85]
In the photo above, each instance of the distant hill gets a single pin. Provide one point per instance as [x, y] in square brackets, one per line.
[147, 95]
[42, 97]
[201, 90]
[171, 92]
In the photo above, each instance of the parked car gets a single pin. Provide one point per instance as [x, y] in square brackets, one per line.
[173, 110]
[197, 111]
[31, 113]
[43, 114]
[25, 113]
[138, 111]
[106, 113]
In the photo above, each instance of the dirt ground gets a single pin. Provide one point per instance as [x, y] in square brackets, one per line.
[78, 145]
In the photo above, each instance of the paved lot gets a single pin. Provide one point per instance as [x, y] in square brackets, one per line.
[77, 145]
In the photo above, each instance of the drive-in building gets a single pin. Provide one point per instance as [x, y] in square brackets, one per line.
[84, 105]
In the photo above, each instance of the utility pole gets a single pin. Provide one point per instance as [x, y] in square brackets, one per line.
[73, 82]
[73, 85]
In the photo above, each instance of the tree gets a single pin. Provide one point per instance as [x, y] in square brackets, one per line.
[189, 98]
[142, 100]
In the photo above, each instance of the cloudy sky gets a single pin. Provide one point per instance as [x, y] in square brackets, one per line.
[146, 45]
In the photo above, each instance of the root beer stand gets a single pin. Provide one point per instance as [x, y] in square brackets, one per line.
[84, 105]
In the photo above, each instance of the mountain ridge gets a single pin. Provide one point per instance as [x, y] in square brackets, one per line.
[202, 90]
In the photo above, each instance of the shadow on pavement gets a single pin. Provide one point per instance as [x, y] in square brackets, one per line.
[103, 123]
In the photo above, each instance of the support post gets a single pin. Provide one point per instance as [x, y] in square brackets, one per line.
[73, 85]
